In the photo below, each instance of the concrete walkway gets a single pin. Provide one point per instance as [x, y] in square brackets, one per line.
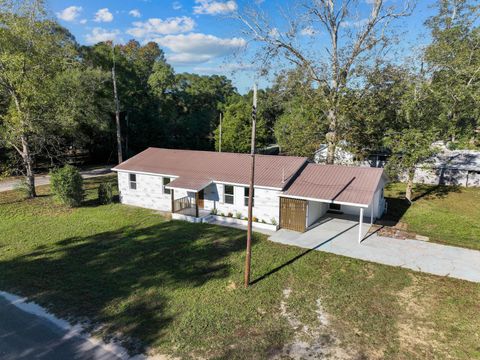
[340, 236]
[29, 332]
[8, 185]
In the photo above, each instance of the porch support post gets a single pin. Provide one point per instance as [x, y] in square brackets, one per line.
[372, 210]
[360, 223]
[196, 204]
[171, 192]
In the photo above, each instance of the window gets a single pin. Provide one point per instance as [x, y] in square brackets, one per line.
[335, 206]
[133, 181]
[246, 196]
[166, 181]
[228, 194]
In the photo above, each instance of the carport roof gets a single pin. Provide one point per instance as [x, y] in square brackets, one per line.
[337, 184]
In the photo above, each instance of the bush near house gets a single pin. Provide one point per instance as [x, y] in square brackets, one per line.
[67, 185]
[105, 193]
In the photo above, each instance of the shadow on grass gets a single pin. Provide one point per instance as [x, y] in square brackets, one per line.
[299, 256]
[123, 279]
[438, 191]
[398, 205]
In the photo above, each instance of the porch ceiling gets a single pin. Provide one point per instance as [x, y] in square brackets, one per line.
[189, 183]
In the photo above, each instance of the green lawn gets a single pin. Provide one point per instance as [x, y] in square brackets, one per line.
[175, 287]
[449, 215]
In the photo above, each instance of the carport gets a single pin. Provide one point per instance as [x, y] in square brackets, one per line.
[332, 190]
[330, 230]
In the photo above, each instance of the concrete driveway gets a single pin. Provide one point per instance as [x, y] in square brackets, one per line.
[28, 332]
[340, 236]
[8, 185]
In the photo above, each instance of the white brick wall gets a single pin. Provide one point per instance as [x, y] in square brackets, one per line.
[266, 203]
[149, 195]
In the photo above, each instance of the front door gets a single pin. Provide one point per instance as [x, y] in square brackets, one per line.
[293, 214]
[201, 197]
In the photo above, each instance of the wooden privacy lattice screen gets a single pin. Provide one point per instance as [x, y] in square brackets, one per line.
[293, 214]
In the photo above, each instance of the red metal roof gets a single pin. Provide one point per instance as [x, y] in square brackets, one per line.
[270, 170]
[189, 183]
[336, 183]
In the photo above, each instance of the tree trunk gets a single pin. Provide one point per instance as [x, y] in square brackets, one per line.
[409, 190]
[117, 117]
[331, 136]
[28, 163]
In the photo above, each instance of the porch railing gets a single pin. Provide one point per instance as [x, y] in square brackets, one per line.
[181, 204]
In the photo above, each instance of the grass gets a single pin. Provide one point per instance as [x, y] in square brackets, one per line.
[176, 287]
[447, 214]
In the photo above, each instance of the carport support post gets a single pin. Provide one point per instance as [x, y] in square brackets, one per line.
[360, 223]
[372, 210]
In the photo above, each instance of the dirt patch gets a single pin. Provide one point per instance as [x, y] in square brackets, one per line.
[396, 232]
[311, 342]
[415, 331]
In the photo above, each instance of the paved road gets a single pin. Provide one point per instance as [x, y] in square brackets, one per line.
[45, 179]
[30, 335]
[340, 236]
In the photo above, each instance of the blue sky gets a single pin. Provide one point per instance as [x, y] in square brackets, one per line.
[196, 35]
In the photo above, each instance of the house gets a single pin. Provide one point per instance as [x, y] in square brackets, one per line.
[376, 158]
[450, 167]
[289, 191]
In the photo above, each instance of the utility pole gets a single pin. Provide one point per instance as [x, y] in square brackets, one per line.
[117, 109]
[248, 256]
[220, 140]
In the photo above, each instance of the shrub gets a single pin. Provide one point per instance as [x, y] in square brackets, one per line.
[273, 221]
[238, 215]
[67, 185]
[230, 214]
[23, 188]
[214, 211]
[255, 219]
[105, 193]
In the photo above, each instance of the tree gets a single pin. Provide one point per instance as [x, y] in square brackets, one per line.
[373, 110]
[196, 102]
[454, 56]
[237, 126]
[298, 131]
[33, 51]
[351, 41]
[411, 142]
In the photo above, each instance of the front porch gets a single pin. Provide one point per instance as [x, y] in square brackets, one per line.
[190, 205]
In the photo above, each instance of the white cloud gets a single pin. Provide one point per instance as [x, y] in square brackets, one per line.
[274, 33]
[70, 13]
[197, 47]
[83, 21]
[103, 15]
[354, 24]
[176, 5]
[213, 7]
[224, 68]
[308, 31]
[155, 27]
[99, 34]
[135, 13]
